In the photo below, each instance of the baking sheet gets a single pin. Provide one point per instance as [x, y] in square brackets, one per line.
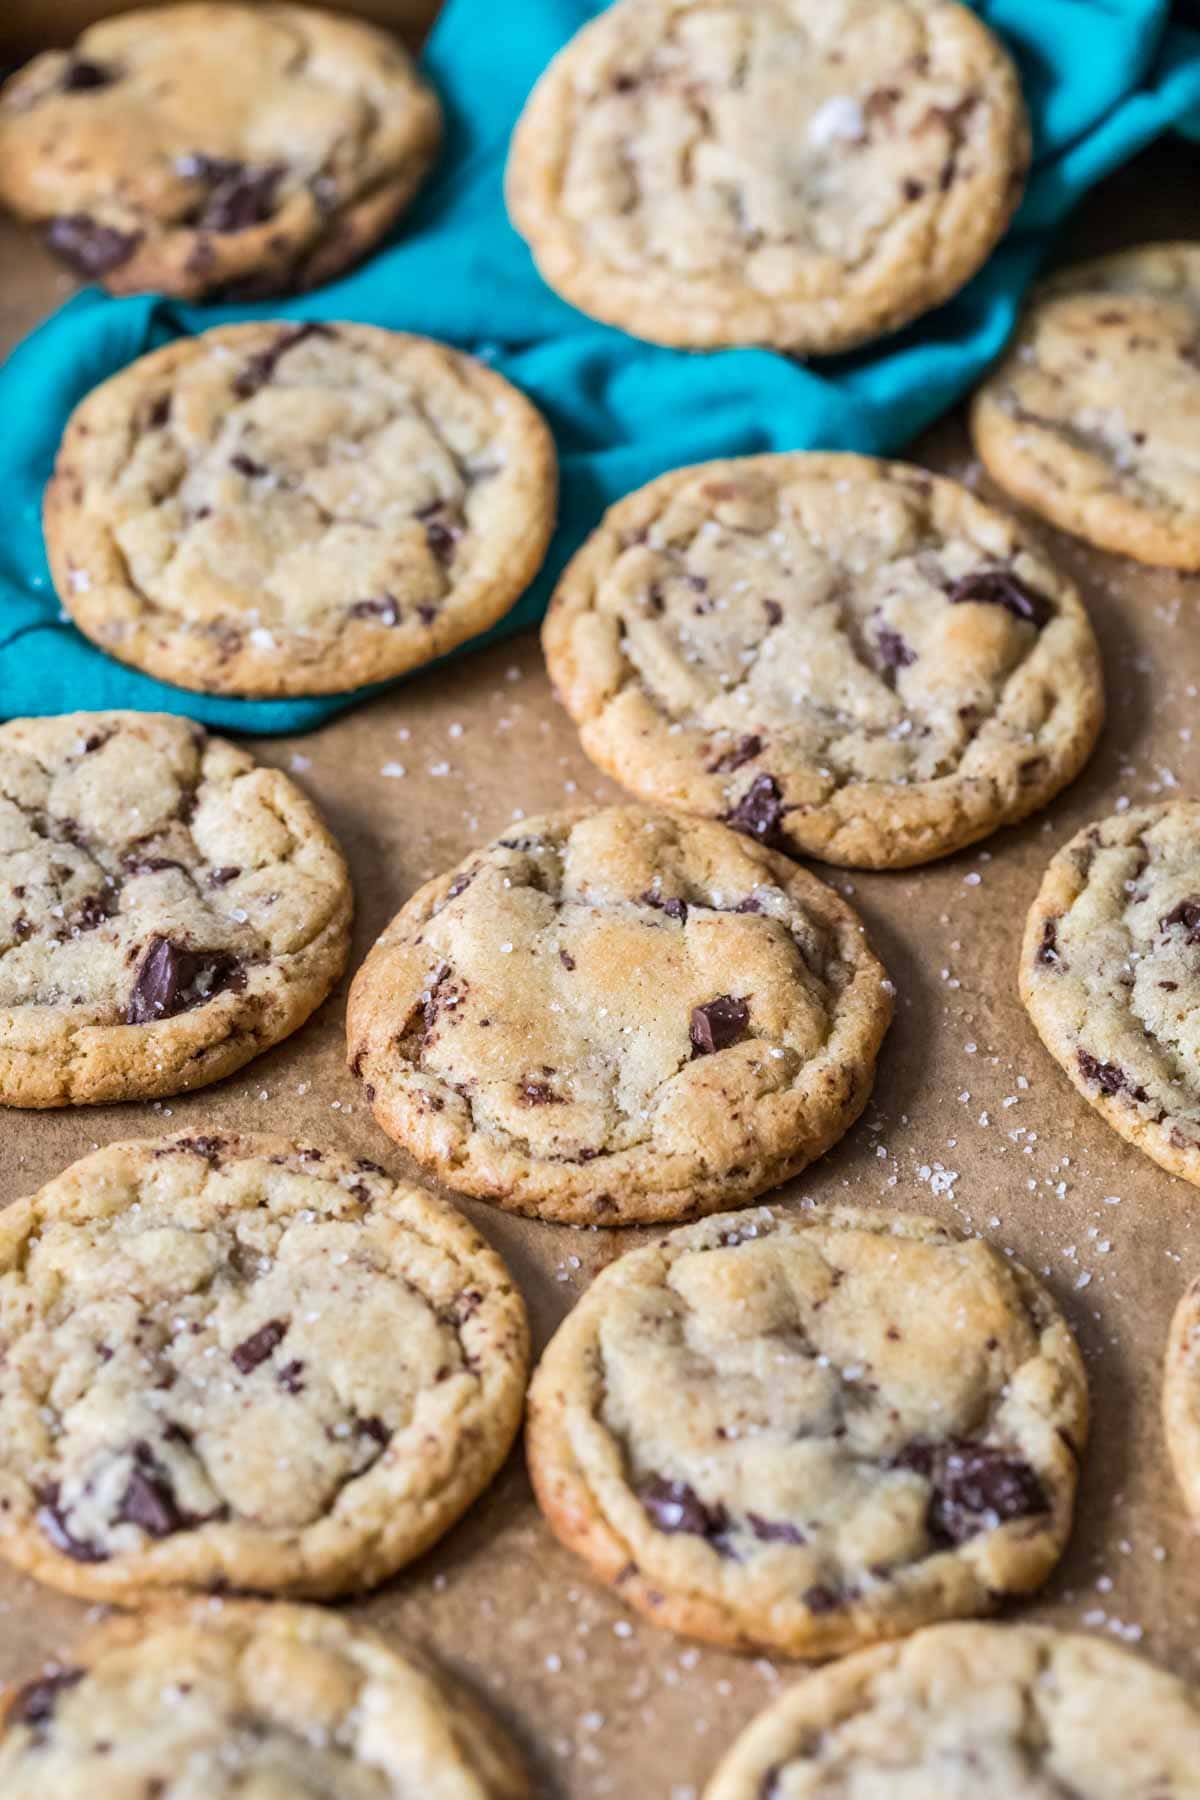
[970, 1121]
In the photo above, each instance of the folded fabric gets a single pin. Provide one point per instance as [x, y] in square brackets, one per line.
[1102, 78]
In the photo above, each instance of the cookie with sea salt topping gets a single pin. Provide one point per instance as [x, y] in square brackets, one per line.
[205, 147]
[238, 1362]
[1092, 418]
[619, 1017]
[803, 173]
[296, 509]
[999, 1712]
[1110, 969]
[842, 657]
[225, 1699]
[168, 908]
[874, 1424]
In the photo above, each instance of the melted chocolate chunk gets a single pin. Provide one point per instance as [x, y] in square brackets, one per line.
[89, 247]
[665, 903]
[1047, 950]
[258, 1346]
[83, 77]
[171, 979]
[674, 1506]
[375, 1429]
[246, 465]
[744, 751]
[54, 1526]
[442, 531]
[539, 1093]
[717, 1024]
[975, 1488]
[291, 1378]
[160, 413]
[35, 1702]
[1187, 914]
[821, 1599]
[93, 910]
[261, 367]
[149, 1498]
[1107, 1076]
[773, 611]
[1000, 587]
[774, 1531]
[222, 877]
[759, 812]
[385, 608]
[238, 196]
[894, 653]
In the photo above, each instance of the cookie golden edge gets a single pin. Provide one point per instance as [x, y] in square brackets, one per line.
[1181, 1397]
[1061, 886]
[570, 1509]
[875, 825]
[280, 1565]
[77, 537]
[91, 1065]
[479, 1738]
[566, 1193]
[724, 313]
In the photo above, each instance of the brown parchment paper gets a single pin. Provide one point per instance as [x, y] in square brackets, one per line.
[970, 1121]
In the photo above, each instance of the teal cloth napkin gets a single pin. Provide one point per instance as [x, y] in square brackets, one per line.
[1102, 78]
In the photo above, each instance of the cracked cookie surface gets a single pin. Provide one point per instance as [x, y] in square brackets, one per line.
[1092, 418]
[1110, 968]
[221, 1698]
[256, 149]
[168, 908]
[234, 1361]
[619, 1017]
[295, 509]
[801, 173]
[841, 1460]
[846, 658]
[1013, 1712]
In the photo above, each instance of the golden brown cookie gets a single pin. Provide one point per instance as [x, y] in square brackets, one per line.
[845, 658]
[210, 146]
[802, 173]
[619, 1017]
[235, 1362]
[1181, 1396]
[297, 509]
[1109, 974]
[1092, 418]
[168, 908]
[804, 1432]
[228, 1698]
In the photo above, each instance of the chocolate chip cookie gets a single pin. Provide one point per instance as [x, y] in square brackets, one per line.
[1109, 975]
[168, 909]
[618, 1017]
[1181, 1396]
[222, 1698]
[803, 173]
[998, 1712]
[1092, 418]
[762, 1432]
[297, 509]
[238, 1362]
[844, 658]
[206, 147]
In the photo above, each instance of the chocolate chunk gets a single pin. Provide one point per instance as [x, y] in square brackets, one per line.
[539, 1093]
[385, 608]
[717, 1024]
[210, 1148]
[149, 1498]
[774, 1531]
[442, 531]
[171, 979]
[744, 751]
[261, 367]
[976, 1487]
[459, 885]
[759, 812]
[246, 465]
[1107, 1076]
[1000, 587]
[912, 190]
[821, 1599]
[54, 1526]
[89, 247]
[291, 1377]
[566, 959]
[1187, 914]
[894, 653]
[665, 903]
[1047, 950]
[239, 196]
[426, 613]
[93, 910]
[160, 413]
[773, 611]
[83, 77]
[674, 1506]
[258, 1346]
[374, 1428]
[222, 877]
[35, 1702]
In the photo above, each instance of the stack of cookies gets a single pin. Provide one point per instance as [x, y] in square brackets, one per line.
[235, 1365]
